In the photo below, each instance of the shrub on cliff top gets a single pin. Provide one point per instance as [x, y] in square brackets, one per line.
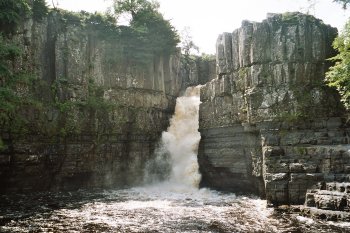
[147, 35]
[157, 34]
[339, 75]
[39, 9]
[343, 2]
[11, 13]
[15, 89]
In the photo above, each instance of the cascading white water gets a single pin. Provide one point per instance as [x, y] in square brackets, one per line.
[177, 153]
[176, 205]
[182, 138]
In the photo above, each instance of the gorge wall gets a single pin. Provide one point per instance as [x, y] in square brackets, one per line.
[80, 139]
[268, 123]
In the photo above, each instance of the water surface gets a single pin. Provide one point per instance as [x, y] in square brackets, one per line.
[176, 205]
[159, 208]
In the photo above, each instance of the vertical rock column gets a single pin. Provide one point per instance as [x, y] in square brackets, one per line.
[111, 146]
[266, 118]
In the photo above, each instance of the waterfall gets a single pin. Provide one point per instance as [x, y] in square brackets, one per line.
[176, 157]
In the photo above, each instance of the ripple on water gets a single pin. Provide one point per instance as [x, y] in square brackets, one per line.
[159, 208]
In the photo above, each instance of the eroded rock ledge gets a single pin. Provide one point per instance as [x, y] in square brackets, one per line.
[111, 147]
[269, 125]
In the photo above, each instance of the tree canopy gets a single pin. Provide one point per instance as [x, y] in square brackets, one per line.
[339, 75]
[343, 2]
[11, 12]
[155, 33]
[134, 6]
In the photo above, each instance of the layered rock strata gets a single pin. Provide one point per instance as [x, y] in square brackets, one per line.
[329, 196]
[112, 147]
[325, 201]
[269, 125]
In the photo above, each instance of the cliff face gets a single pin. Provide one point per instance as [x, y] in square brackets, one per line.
[269, 125]
[111, 146]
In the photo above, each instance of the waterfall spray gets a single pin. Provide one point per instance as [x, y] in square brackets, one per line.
[179, 144]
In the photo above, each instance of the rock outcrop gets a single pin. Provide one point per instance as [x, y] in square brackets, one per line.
[111, 147]
[325, 201]
[329, 196]
[269, 125]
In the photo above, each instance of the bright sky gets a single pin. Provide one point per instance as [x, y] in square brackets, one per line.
[209, 18]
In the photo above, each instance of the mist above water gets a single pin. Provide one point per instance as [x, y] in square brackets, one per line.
[172, 203]
[176, 157]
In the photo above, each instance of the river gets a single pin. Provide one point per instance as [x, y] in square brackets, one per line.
[158, 208]
[169, 201]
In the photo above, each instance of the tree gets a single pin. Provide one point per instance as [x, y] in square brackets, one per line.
[339, 75]
[39, 9]
[343, 2]
[187, 49]
[187, 44]
[311, 6]
[160, 35]
[133, 7]
[11, 13]
[150, 33]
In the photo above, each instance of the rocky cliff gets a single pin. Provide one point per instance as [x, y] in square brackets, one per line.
[102, 116]
[269, 125]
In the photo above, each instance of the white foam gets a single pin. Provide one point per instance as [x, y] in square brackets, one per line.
[182, 139]
[180, 143]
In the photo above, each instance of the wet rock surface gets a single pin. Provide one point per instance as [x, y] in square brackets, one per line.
[328, 201]
[94, 149]
[268, 123]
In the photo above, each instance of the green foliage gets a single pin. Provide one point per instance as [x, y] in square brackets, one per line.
[295, 17]
[66, 123]
[300, 150]
[95, 100]
[207, 57]
[16, 96]
[343, 2]
[299, 109]
[157, 33]
[136, 45]
[39, 9]
[339, 75]
[29, 105]
[135, 50]
[290, 17]
[74, 112]
[292, 117]
[243, 72]
[104, 24]
[101, 24]
[133, 7]
[11, 13]
[187, 46]
[23, 110]
[14, 91]
[149, 33]
[2, 145]
[8, 52]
